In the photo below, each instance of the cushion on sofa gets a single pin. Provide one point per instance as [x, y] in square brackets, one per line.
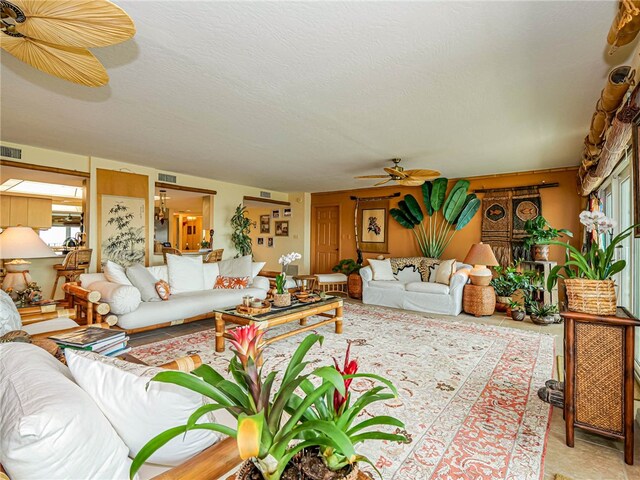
[144, 281]
[236, 267]
[51, 325]
[445, 271]
[9, 316]
[391, 285]
[115, 273]
[211, 273]
[121, 298]
[256, 267]
[49, 427]
[186, 273]
[382, 270]
[427, 287]
[139, 409]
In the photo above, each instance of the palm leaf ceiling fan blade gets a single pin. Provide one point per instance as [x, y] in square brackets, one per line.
[372, 176]
[422, 173]
[410, 182]
[74, 23]
[394, 172]
[76, 65]
[382, 182]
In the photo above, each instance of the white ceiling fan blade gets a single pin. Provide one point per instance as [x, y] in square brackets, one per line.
[75, 23]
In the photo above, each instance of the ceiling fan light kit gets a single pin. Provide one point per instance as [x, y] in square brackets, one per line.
[54, 36]
[406, 178]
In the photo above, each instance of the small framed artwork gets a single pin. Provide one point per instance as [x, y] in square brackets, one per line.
[260, 240]
[275, 213]
[373, 227]
[282, 228]
[270, 242]
[265, 224]
[286, 212]
[636, 175]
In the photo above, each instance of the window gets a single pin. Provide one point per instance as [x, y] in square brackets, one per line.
[55, 236]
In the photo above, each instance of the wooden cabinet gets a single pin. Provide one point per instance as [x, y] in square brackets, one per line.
[27, 211]
[598, 391]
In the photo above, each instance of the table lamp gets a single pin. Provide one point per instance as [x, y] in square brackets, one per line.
[480, 256]
[18, 243]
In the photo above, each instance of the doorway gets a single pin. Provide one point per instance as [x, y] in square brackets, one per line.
[326, 238]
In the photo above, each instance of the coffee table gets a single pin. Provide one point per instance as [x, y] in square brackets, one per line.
[298, 312]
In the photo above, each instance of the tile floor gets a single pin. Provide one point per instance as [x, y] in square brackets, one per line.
[592, 458]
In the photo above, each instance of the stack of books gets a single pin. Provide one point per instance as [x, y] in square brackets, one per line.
[107, 342]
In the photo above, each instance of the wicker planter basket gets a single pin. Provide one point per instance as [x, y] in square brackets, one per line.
[597, 297]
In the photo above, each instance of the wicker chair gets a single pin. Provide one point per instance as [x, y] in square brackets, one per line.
[214, 256]
[74, 264]
[170, 250]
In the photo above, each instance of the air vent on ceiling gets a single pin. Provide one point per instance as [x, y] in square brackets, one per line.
[10, 152]
[264, 194]
[165, 177]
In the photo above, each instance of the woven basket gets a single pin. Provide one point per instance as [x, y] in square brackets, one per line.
[597, 297]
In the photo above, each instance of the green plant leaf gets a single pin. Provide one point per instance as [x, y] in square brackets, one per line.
[399, 216]
[343, 443]
[300, 353]
[455, 201]
[427, 188]
[392, 437]
[402, 205]
[414, 208]
[201, 411]
[379, 420]
[438, 193]
[195, 384]
[468, 211]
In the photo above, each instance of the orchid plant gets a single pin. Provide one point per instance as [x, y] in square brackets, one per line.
[281, 278]
[322, 418]
[597, 263]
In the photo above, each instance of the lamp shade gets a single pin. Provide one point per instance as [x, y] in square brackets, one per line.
[481, 254]
[23, 242]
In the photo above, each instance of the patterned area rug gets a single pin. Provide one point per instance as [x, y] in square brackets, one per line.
[467, 391]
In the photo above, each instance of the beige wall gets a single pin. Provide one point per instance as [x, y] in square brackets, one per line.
[229, 195]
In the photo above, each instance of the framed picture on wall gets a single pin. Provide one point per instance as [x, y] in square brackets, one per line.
[282, 228]
[286, 212]
[373, 227]
[275, 213]
[636, 174]
[270, 242]
[265, 224]
[260, 240]
[122, 234]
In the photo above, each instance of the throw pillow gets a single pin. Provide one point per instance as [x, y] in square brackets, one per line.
[211, 272]
[51, 428]
[445, 270]
[231, 283]
[139, 409]
[186, 273]
[115, 273]
[121, 298]
[142, 279]
[9, 316]
[382, 269]
[256, 267]
[236, 267]
[163, 289]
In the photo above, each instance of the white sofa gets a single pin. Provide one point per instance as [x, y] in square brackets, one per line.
[409, 292]
[134, 314]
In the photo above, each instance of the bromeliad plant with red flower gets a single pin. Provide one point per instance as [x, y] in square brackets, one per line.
[321, 417]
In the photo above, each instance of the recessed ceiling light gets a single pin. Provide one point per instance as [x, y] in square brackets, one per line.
[39, 188]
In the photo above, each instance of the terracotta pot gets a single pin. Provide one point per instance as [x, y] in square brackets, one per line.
[248, 467]
[518, 315]
[354, 286]
[540, 253]
[281, 299]
[502, 303]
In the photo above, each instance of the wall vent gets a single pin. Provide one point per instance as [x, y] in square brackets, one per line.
[264, 194]
[165, 177]
[10, 152]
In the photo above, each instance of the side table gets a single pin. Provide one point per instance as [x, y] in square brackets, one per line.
[479, 300]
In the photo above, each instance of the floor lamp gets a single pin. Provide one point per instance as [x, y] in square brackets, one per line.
[18, 243]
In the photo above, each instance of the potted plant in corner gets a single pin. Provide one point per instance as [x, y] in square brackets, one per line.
[543, 314]
[351, 269]
[282, 297]
[322, 425]
[506, 282]
[539, 233]
[588, 276]
[241, 225]
[517, 311]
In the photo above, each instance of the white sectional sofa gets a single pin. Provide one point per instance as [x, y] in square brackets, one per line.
[408, 291]
[135, 315]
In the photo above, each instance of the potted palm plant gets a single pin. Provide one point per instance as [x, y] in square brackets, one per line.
[539, 234]
[351, 269]
[588, 276]
[320, 431]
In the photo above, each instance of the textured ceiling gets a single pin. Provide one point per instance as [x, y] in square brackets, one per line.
[303, 96]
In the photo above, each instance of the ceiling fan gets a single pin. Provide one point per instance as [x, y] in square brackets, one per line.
[54, 36]
[407, 178]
